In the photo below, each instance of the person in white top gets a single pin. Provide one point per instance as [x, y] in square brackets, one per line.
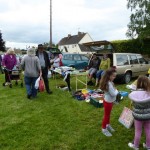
[56, 61]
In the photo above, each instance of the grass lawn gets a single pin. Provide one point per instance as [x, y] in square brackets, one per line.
[57, 122]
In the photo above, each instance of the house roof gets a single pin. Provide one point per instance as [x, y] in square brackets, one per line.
[84, 48]
[75, 39]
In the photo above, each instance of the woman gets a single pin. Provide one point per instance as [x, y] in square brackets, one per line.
[32, 70]
[104, 65]
[9, 61]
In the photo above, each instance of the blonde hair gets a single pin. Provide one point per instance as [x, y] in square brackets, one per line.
[10, 51]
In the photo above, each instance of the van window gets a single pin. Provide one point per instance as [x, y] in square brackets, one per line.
[77, 57]
[67, 57]
[141, 59]
[133, 59]
[84, 58]
[122, 60]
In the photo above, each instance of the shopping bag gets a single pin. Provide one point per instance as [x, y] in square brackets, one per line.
[37, 83]
[126, 117]
[49, 74]
[41, 85]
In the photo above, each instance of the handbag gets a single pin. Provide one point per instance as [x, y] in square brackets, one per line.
[126, 118]
[41, 85]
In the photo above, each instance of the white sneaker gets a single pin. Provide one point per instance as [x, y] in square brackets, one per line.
[131, 145]
[110, 128]
[144, 146]
[106, 132]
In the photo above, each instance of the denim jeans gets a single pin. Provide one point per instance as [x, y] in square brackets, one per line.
[30, 83]
[99, 74]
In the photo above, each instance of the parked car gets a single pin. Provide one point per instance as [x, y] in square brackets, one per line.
[78, 61]
[127, 65]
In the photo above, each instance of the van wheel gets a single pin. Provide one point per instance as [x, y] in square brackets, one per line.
[127, 78]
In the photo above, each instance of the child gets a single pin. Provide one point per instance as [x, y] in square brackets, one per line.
[141, 112]
[110, 93]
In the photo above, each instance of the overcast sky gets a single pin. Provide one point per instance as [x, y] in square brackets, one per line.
[26, 22]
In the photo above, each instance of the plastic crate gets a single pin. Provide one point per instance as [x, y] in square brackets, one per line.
[97, 102]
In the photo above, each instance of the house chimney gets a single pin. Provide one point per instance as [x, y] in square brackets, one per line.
[79, 33]
[69, 35]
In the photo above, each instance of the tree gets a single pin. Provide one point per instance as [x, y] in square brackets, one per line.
[2, 43]
[139, 25]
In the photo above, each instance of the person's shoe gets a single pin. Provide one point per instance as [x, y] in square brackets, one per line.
[29, 96]
[89, 82]
[131, 145]
[106, 132]
[109, 128]
[144, 146]
[49, 92]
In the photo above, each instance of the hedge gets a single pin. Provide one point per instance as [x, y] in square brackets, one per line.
[132, 46]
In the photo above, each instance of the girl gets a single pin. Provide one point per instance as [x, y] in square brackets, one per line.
[110, 93]
[141, 112]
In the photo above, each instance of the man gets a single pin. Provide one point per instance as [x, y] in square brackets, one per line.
[45, 65]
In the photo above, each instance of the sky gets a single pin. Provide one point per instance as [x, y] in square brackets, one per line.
[26, 23]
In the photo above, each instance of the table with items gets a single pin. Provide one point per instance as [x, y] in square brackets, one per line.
[66, 72]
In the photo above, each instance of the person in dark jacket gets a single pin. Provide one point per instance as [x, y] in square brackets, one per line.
[45, 65]
[93, 67]
[141, 112]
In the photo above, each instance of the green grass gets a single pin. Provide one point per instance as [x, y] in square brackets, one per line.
[57, 122]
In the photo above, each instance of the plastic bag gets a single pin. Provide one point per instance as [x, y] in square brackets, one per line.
[41, 85]
[37, 83]
[49, 74]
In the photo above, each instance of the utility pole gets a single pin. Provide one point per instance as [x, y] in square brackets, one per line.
[50, 23]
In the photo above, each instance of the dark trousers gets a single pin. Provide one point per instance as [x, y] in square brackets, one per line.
[7, 75]
[45, 78]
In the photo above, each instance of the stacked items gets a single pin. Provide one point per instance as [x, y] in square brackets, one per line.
[95, 97]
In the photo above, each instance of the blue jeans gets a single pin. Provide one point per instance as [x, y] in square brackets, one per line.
[99, 74]
[30, 83]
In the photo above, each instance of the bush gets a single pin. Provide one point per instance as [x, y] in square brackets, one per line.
[132, 46]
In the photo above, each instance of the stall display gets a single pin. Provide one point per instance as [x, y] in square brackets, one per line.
[68, 72]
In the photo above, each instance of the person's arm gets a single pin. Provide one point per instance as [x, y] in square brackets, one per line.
[3, 61]
[23, 63]
[112, 90]
[39, 66]
[48, 61]
[15, 60]
[57, 60]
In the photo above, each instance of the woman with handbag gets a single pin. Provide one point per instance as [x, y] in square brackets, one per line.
[32, 70]
[110, 93]
[141, 112]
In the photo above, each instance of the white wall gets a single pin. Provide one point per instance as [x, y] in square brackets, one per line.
[86, 38]
[71, 48]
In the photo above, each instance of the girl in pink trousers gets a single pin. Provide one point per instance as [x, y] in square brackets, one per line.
[141, 112]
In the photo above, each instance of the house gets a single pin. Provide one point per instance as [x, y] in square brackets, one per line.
[74, 43]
